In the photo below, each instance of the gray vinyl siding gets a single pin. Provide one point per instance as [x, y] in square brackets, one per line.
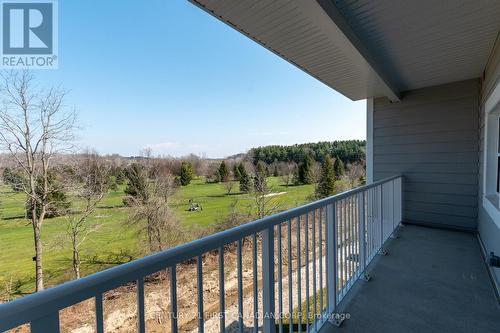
[432, 137]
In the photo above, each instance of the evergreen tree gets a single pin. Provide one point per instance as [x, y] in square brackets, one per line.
[236, 171]
[137, 182]
[305, 170]
[58, 200]
[241, 169]
[223, 172]
[326, 185]
[275, 170]
[244, 179]
[7, 175]
[338, 168]
[14, 179]
[186, 173]
[120, 177]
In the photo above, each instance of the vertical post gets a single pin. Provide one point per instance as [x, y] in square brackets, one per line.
[289, 265]
[320, 250]
[141, 321]
[280, 280]
[99, 314]
[255, 287]
[307, 270]
[381, 212]
[49, 323]
[240, 286]
[369, 140]
[361, 236]
[222, 292]
[268, 279]
[173, 298]
[199, 282]
[331, 257]
[393, 204]
[401, 198]
[299, 279]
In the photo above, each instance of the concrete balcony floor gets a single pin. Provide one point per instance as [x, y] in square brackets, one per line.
[432, 280]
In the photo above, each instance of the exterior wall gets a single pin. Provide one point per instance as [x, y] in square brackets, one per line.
[489, 231]
[431, 137]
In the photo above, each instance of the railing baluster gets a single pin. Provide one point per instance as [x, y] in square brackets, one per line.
[199, 279]
[280, 280]
[141, 325]
[99, 314]
[290, 281]
[351, 239]
[344, 246]
[49, 323]
[315, 308]
[354, 238]
[240, 285]
[268, 280]
[340, 240]
[369, 224]
[307, 270]
[393, 205]
[321, 260]
[299, 279]
[381, 206]
[222, 306]
[173, 298]
[331, 257]
[361, 232]
[255, 286]
[401, 199]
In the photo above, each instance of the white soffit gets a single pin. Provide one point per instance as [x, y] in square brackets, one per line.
[301, 32]
[426, 42]
[371, 48]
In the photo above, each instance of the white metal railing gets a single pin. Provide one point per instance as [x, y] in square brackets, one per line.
[330, 241]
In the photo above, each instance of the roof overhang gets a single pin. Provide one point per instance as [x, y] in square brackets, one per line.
[365, 48]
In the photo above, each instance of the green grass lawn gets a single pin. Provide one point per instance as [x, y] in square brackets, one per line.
[114, 242]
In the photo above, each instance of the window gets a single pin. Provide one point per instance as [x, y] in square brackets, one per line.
[498, 157]
[491, 157]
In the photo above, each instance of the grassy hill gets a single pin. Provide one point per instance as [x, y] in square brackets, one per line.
[114, 242]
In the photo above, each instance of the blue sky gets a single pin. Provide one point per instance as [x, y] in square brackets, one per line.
[165, 74]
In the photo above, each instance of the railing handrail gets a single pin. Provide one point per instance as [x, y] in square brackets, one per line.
[39, 304]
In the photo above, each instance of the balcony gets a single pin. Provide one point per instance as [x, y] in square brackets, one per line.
[344, 261]
[433, 280]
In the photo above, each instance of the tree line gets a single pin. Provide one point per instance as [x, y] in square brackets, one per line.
[349, 151]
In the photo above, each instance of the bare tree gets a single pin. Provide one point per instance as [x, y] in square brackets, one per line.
[91, 184]
[354, 174]
[265, 198]
[34, 127]
[229, 186]
[286, 171]
[151, 205]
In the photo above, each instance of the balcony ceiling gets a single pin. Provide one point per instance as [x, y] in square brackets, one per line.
[366, 48]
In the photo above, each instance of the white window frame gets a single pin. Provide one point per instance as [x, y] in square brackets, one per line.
[498, 158]
[490, 196]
